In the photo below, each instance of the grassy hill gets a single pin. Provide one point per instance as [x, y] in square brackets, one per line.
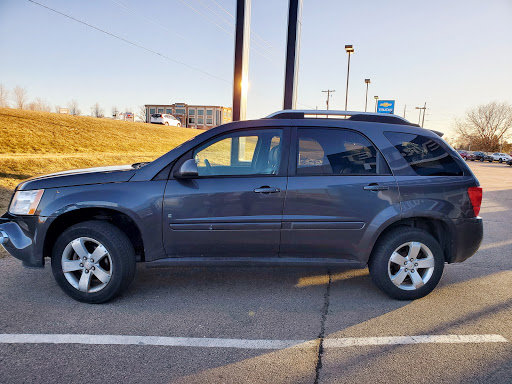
[34, 143]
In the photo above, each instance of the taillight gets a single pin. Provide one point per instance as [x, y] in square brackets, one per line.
[475, 195]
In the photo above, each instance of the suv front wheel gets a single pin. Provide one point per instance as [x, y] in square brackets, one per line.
[93, 261]
[407, 263]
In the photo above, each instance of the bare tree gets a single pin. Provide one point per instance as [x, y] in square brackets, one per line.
[97, 111]
[141, 115]
[115, 112]
[73, 108]
[486, 126]
[42, 105]
[4, 97]
[20, 97]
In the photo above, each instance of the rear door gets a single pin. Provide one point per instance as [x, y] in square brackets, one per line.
[339, 186]
[234, 207]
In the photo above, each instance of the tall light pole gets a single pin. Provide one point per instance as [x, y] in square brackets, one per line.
[376, 99]
[367, 81]
[291, 75]
[241, 67]
[349, 49]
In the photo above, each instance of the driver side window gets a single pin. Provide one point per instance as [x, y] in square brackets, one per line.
[256, 152]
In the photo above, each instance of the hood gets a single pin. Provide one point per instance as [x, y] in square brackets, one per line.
[98, 175]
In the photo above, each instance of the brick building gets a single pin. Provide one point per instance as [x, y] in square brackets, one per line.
[192, 116]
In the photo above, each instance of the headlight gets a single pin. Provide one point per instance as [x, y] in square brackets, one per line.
[25, 202]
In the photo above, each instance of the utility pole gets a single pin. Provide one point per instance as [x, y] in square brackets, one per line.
[405, 106]
[329, 91]
[424, 108]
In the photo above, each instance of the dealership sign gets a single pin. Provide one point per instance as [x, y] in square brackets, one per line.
[386, 106]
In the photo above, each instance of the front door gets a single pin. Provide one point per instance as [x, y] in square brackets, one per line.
[339, 185]
[234, 207]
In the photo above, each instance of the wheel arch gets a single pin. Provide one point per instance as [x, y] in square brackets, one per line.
[119, 219]
[439, 229]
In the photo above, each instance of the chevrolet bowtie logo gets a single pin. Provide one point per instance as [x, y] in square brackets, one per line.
[386, 105]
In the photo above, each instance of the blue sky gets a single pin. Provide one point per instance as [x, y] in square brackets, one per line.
[451, 54]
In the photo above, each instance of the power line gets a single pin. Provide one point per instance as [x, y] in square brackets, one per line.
[252, 32]
[207, 18]
[224, 29]
[132, 43]
[150, 20]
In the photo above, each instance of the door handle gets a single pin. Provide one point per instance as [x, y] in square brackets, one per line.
[267, 189]
[375, 187]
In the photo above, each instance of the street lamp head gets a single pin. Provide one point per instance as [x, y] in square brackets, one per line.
[349, 49]
[367, 81]
[376, 97]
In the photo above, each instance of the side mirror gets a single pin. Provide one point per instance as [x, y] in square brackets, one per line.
[187, 169]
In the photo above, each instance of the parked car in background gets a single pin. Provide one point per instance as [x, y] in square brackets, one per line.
[510, 161]
[287, 190]
[500, 157]
[165, 119]
[481, 156]
[466, 155]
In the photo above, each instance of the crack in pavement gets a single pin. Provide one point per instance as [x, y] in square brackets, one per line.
[322, 330]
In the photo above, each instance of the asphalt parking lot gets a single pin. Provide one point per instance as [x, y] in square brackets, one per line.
[269, 324]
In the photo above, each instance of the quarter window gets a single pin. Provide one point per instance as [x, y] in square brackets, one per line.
[335, 152]
[424, 155]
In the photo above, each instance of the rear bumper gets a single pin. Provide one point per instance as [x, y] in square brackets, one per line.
[469, 235]
[19, 236]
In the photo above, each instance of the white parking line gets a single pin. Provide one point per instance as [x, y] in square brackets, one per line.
[242, 343]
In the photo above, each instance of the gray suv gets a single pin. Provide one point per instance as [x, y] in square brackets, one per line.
[298, 188]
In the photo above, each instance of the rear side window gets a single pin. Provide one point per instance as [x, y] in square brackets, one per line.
[334, 152]
[424, 155]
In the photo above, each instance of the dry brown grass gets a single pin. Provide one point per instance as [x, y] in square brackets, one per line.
[34, 143]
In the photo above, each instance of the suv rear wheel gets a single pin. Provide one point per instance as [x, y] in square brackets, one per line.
[407, 263]
[93, 261]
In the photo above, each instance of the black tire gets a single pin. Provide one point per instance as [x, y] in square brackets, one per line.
[380, 261]
[490, 161]
[482, 159]
[500, 161]
[121, 259]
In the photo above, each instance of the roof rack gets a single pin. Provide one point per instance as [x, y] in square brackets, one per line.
[353, 115]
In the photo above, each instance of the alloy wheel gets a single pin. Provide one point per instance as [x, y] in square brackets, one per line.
[411, 266]
[87, 265]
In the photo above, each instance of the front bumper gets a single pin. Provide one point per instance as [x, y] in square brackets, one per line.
[19, 235]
